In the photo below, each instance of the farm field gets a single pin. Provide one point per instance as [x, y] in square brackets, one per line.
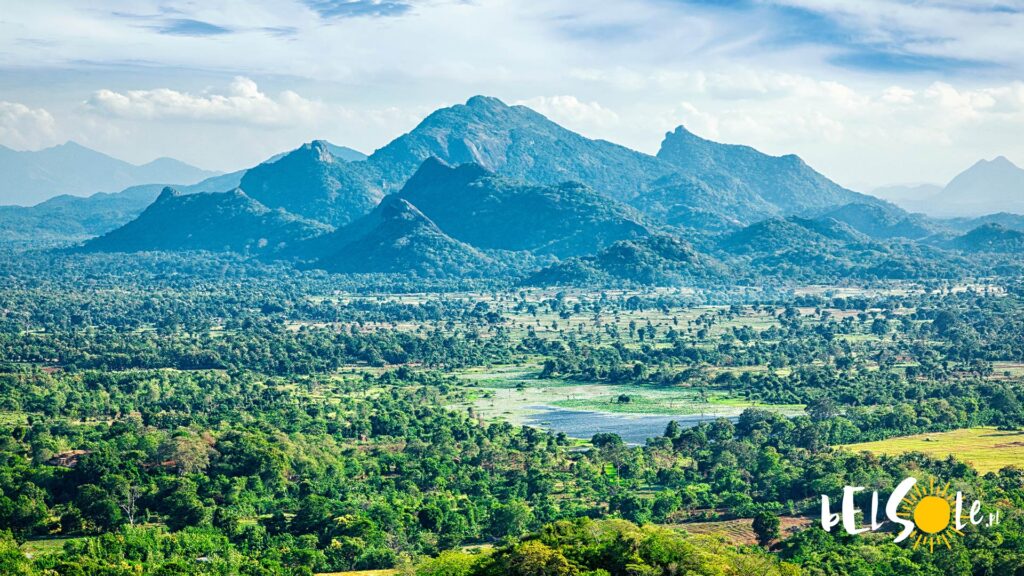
[986, 449]
[740, 530]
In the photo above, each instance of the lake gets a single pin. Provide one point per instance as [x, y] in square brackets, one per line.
[632, 428]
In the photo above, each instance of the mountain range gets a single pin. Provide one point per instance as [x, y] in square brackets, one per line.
[31, 177]
[486, 189]
[987, 187]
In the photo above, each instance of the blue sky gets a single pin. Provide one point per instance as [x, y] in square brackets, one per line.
[868, 91]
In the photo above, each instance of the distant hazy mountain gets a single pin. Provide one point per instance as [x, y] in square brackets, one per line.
[913, 197]
[398, 238]
[312, 182]
[221, 221]
[491, 212]
[987, 187]
[67, 218]
[31, 177]
[516, 142]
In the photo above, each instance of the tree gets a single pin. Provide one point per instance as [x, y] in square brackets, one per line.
[98, 508]
[12, 560]
[510, 519]
[766, 527]
[187, 453]
[531, 558]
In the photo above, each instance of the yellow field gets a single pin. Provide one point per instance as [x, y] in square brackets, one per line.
[986, 449]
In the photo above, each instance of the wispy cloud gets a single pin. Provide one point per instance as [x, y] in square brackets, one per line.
[172, 21]
[189, 27]
[881, 35]
[354, 8]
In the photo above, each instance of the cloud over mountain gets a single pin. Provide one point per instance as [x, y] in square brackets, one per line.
[243, 102]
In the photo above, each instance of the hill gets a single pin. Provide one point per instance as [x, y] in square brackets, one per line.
[824, 249]
[487, 211]
[397, 238]
[710, 203]
[31, 177]
[991, 238]
[521, 144]
[66, 218]
[224, 221]
[654, 260]
[880, 221]
[1004, 219]
[312, 182]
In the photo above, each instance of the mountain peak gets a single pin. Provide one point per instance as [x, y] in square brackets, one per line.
[72, 145]
[320, 151]
[434, 171]
[486, 102]
[397, 237]
[312, 182]
[1002, 161]
[681, 131]
[394, 207]
[747, 173]
[167, 193]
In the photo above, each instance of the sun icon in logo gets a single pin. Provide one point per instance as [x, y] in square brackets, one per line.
[932, 511]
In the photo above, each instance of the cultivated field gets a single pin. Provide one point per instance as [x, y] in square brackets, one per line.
[986, 449]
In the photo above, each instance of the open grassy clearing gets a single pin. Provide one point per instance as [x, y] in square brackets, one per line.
[986, 449]
[740, 531]
[44, 546]
[514, 393]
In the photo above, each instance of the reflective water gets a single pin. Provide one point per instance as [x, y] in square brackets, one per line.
[632, 428]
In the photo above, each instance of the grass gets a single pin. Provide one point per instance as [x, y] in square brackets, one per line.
[740, 531]
[46, 546]
[986, 449]
[515, 392]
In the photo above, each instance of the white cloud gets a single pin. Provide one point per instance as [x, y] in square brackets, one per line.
[626, 71]
[243, 103]
[571, 111]
[22, 127]
[898, 95]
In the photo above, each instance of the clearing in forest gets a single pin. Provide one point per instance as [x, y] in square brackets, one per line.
[986, 449]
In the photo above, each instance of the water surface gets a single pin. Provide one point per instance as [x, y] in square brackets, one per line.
[632, 428]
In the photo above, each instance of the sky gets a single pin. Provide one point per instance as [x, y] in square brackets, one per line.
[870, 92]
